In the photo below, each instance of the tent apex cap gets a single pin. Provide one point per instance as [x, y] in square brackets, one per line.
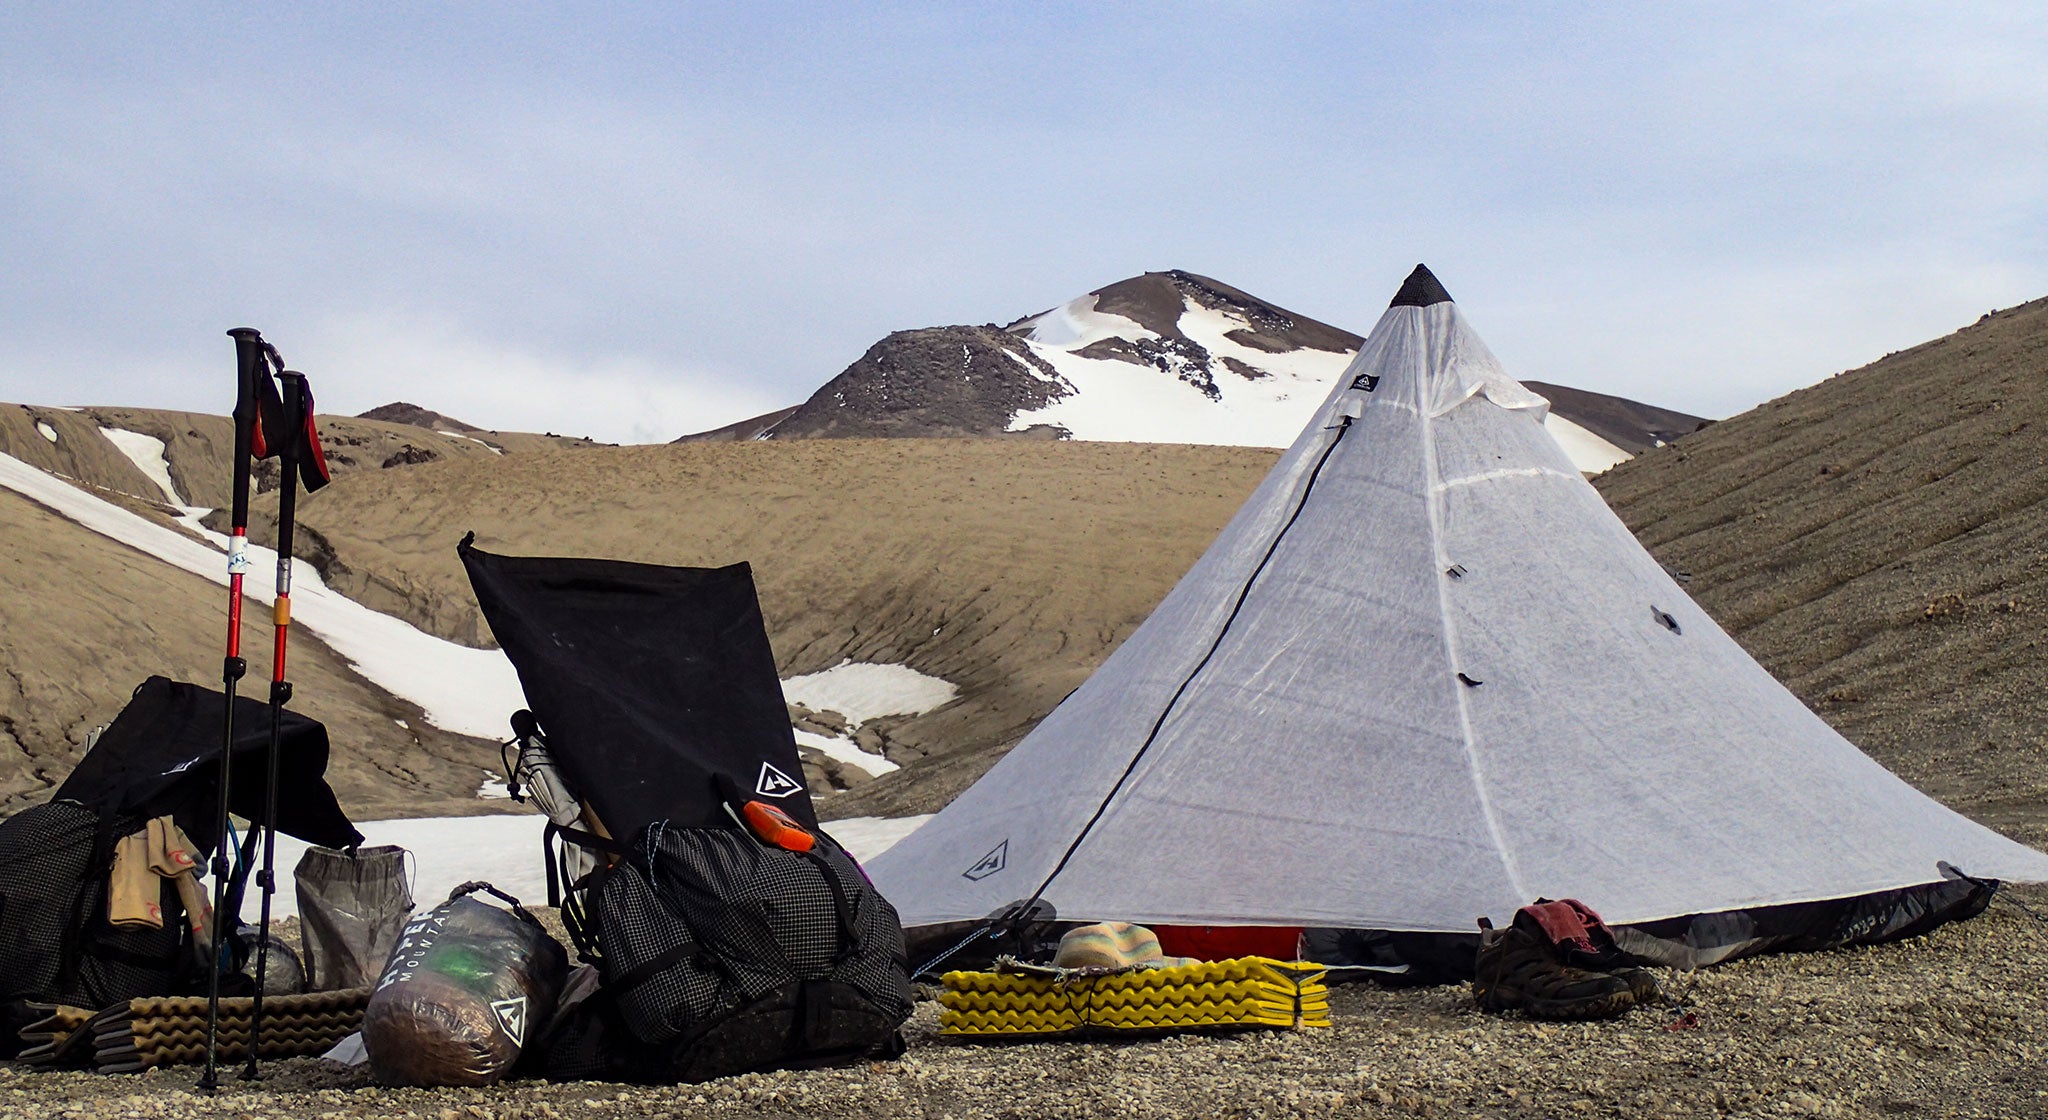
[1420, 290]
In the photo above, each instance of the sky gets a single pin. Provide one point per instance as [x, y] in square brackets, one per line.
[632, 222]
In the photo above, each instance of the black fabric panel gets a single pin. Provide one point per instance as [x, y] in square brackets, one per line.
[1868, 919]
[650, 682]
[1717, 938]
[161, 756]
[1420, 290]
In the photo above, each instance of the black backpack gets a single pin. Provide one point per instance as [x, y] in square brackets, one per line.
[58, 945]
[722, 954]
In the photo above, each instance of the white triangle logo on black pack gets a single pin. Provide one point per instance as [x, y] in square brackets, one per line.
[997, 859]
[775, 783]
[511, 1015]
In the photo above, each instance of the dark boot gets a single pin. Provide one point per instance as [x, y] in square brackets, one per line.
[1582, 940]
[1517, 970]
[1642, 984]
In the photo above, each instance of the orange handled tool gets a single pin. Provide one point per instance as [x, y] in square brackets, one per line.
[776, 828]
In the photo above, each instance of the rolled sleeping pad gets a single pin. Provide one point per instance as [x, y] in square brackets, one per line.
[464, 989]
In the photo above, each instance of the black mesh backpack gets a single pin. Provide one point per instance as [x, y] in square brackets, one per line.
[722, 953]
[58, 945]
[731, 933]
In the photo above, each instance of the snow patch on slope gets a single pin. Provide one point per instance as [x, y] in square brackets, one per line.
[147, 453]
[843, 749]
[867, 837]
[48, 433]
[1590, 453]
[1075, 324]
[1120, 401]
[862, 691]
[1314, 370]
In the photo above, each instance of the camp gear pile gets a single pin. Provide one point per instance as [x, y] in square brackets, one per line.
[133, 821]
[142, 1034]
[466, 986]
[1426, 674]
[722, 954]
[352, 905]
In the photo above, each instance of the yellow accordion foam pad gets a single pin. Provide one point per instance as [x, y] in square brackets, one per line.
[1245, 992]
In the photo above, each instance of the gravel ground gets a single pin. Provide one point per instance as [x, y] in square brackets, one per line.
[1951, 1024]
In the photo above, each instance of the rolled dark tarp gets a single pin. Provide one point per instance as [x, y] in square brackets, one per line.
[650, 682]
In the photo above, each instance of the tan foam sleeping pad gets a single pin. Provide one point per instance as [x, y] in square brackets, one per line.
[171, 1030]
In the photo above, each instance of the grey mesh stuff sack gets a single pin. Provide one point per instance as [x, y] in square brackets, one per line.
[466, 986]
[352, 905]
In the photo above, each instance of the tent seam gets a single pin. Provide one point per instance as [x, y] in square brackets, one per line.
[1342, 426]
[1433, 499]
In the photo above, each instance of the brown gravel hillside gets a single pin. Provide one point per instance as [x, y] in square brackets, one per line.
[198, 447]
[83, 620]
[1880, 542]
[1009, 568]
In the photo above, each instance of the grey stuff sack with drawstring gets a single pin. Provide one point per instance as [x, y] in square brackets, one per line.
[351, 909]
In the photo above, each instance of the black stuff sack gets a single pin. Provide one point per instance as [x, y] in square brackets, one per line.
[466, 986]
[352, 905]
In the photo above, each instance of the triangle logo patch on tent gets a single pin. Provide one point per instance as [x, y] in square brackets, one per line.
[991, 863]
[511, 1015]
[775, 783]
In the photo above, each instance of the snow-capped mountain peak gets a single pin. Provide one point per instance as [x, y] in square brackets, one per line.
[1238, 370]
[1163, 357]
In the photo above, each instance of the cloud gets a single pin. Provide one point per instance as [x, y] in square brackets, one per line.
[1699, 210]
[431, 360]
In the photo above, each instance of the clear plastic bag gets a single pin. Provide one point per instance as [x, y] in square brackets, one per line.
[351, 907]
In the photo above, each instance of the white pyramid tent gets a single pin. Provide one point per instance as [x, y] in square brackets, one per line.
[1425, 675]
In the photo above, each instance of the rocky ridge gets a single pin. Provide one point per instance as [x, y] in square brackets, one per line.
[1263, 365]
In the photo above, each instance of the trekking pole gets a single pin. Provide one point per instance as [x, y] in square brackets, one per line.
[298, 418]
[251, 367]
